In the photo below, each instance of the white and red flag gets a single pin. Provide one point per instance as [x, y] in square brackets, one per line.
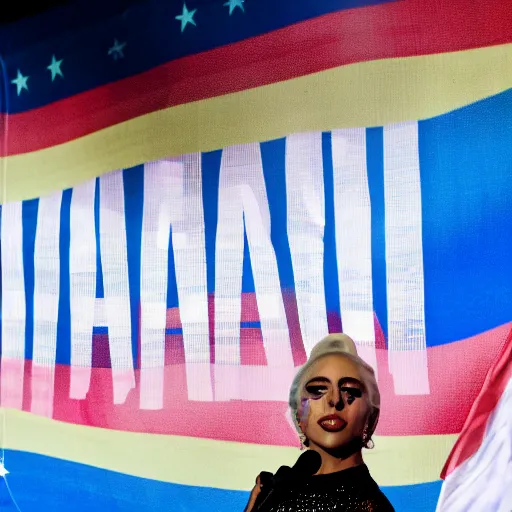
[478, 473]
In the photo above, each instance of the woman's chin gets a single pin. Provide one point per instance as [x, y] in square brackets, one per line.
[330, 442]
[338, 445]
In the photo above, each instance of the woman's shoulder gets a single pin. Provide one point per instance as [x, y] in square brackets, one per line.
[377, 503]
[372, 499]
[355, 487]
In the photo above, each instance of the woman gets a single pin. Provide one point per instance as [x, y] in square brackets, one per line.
[335, 403]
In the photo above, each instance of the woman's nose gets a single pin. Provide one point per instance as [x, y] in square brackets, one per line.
[336, 400]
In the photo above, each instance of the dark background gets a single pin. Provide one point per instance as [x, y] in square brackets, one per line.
[15, 10]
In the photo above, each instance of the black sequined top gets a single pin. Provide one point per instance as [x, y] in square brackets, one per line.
[350, 490]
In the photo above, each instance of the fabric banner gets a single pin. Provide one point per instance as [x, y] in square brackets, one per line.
[194, 194]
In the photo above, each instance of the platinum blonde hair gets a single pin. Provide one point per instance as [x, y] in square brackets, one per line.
[337, 344]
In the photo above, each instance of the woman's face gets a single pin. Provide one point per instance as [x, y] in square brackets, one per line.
[334, 408]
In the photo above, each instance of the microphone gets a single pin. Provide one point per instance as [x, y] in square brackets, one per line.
[307, 465]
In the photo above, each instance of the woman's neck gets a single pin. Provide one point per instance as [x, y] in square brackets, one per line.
[331, 463]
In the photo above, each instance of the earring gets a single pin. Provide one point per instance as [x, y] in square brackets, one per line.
[303, 441]
[366, 440]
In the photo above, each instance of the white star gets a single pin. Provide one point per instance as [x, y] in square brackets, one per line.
[54, 67]
[3, 471]
[117, 50]
[186, 17]
[21, 82]
[233, 4]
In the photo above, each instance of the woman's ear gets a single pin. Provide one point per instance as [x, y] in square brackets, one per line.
[373, 419]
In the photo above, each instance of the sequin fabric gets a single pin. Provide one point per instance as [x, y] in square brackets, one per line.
[351, 490]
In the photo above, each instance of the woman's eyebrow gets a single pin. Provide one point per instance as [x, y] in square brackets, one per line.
[317, 379]
[349, 380]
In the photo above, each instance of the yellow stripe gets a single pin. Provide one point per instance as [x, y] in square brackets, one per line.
[206, 462]
[363, 94]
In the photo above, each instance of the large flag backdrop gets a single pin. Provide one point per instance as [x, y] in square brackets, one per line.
[194, 194]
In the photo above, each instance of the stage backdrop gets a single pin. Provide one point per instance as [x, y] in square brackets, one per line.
[194, 194]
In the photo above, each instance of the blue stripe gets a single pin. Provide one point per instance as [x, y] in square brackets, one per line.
[172, 285]
[29, 220]
[133, 180]
[250, 325]
[332, 295]
[274, 173]
[82, 35]
[375, 165]
[63, 355]
[100, 292]
[465, 164]
[44, 483]
[210, 163]
[247, 274]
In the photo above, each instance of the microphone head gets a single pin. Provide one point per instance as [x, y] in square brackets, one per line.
[308, 463]
[282, 474]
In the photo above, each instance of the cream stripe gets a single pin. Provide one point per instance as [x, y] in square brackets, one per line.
[372, 93]
[189, 461]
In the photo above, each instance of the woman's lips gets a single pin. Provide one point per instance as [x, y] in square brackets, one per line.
[332, 423]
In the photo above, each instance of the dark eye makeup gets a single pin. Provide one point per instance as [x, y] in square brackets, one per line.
[316, 391]
[352, 393]
[349, 388]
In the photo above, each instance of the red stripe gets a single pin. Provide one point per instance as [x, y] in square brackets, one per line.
[173, 320]
[100, 351]
[292, 319]
[249, 308]
[474, 428]
[454, 387]
[397, 29]
[174, 350]
[252, 351]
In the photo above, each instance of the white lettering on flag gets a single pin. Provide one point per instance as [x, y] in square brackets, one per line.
[13, 307]
[114, 262]
[173, 202]
[82, 285]
[404, 260]
[352, 214]
[306, 222]
[46, 303]
[243, 200]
